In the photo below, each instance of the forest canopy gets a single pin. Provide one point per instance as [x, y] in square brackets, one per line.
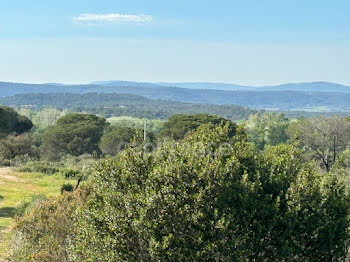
[12, 122]
[74, 134]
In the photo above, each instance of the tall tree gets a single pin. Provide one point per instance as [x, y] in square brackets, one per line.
[74, 134]
[324, 137]
[267, 129]
[12, 122]
[115, 139]
[15, 145]
[179, 125]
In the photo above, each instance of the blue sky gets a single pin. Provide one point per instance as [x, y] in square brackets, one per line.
[245, 42]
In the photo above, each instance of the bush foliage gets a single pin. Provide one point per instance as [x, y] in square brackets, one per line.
[188, 201]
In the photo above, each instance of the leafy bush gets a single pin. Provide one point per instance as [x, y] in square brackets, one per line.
[211, 198]
[67, 188]
[46, 231]
[44, 167]
[5, 162]
[207, 197]
[13, 146]
[27, 206]
[22, 160]
[82, 165]
[70, 173]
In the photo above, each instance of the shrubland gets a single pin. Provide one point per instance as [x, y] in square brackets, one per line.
[206, 197]
[200, 188]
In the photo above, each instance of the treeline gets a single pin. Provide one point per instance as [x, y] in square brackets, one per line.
[59, 133]
[77, 134]
[109, 105]
[203, 189]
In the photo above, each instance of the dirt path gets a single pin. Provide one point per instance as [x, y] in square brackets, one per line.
[5, 170]
[6, 173]
[15, 189]
[6, 212]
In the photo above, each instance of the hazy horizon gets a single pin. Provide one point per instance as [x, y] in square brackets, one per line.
[168, 82]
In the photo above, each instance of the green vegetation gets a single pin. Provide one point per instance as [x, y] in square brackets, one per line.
[325, 138]
[267, 129]
[179, 125]
[11, 122]
[231, 208]
[51, 222]
[109, 105]
[153, 125]
[200, 188]
[277, 98]
[15, 145]
[74, 134]
[14, 141]
[43, 118]
[19, 192]
[115, 139]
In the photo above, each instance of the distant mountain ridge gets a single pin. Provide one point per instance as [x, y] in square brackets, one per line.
[302, 87]
[308, 87]
[124, 83]
[8, 88]
[284, 97]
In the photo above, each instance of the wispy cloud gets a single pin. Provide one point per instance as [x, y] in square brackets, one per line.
[113, 18]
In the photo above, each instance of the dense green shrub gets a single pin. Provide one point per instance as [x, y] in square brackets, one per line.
[70, 173]
[16, 146]
[67, 187]
[27, 206]
[5, 162]
[212, 198]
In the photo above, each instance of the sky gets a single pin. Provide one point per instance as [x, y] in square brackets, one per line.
[247, 42]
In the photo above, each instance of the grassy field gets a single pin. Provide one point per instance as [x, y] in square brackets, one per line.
[15, 189]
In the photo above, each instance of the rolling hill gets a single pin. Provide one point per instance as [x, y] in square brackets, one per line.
[302, 87]
[123, 105]
[273, 98]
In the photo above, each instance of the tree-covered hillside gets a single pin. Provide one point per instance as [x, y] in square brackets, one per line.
[123, 105]
[280, 99]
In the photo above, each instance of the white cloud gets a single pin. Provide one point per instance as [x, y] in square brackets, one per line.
[113, 18]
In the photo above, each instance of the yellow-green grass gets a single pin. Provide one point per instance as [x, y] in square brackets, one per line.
[16, 188]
